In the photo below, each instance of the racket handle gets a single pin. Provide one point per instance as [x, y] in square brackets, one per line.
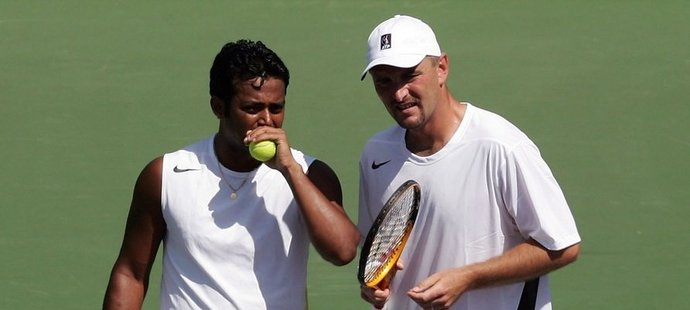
[385, 283]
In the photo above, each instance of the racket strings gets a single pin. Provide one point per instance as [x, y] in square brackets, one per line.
[390, 235]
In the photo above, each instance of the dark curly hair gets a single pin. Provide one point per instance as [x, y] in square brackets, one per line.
[241, 61]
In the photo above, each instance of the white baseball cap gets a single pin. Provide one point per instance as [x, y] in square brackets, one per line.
[401, 41]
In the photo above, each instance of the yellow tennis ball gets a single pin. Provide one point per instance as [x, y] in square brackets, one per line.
[262, 150]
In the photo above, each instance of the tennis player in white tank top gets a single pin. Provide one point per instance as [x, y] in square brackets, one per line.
[235, 231]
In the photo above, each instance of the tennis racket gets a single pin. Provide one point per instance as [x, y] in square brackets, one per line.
[388, 235]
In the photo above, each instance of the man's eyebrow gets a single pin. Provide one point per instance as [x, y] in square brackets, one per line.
[255, 102]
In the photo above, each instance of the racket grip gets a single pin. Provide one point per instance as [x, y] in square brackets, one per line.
[385, 283]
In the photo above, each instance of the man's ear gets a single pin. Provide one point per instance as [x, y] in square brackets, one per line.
[217, 106]
[443, 67]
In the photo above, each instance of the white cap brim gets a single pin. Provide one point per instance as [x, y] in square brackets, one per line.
[399, 61]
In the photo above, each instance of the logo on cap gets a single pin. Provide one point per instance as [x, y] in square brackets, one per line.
[386, 41]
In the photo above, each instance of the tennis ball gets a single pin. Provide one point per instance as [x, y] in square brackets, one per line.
[262, 150]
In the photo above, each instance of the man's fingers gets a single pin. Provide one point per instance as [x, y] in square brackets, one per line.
[425, 284]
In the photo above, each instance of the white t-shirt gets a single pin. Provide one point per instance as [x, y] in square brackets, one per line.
[482, 194]
[220, 253]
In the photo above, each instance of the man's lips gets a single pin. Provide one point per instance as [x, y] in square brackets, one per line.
[404, 105]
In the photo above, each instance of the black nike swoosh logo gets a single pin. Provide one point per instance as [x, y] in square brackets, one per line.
[375, 166]
[178, 170]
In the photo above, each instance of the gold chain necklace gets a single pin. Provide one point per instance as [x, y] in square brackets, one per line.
[233, 195]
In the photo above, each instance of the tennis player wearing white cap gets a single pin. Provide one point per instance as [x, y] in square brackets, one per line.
[493, 221]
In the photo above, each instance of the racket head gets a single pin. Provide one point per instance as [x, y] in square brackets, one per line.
[388, 235]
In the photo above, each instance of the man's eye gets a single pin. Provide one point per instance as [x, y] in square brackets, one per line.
[410, 77]
[251, 109]
[275, 108]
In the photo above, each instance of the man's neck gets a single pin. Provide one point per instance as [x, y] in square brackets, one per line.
[440, 128]
[235, 159]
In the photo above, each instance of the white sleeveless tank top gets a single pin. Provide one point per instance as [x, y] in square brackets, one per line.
[220, 253]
